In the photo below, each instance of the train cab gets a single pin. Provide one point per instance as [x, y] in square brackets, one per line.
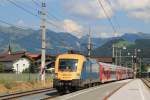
[68, 69]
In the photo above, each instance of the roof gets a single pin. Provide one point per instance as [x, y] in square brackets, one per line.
[5, 57]
[104, 59]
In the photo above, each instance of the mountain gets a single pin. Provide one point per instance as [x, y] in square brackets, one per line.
[106, 49]
[58, 42]
[142, 44]
[30, 40]
[131, 37]
[96, 41]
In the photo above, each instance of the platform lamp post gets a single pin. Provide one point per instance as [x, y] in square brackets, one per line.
[113, 54]
[135, 61]
[120, 51]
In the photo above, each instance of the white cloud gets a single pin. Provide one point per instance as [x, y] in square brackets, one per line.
[21, 23]
[133, 4]
[72, 27]
[87, 8]
[138, 9]
[67, 25]
[142, 15]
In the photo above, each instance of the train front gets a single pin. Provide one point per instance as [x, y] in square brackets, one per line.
[68, 72]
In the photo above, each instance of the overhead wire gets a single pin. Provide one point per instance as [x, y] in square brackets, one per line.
[31, 13]
[7, 23]
[115, 18]
[27, 11]
[109, 19]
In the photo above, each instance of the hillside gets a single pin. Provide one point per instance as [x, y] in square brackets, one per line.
[30, 40]
[142, 44]
[58, 42]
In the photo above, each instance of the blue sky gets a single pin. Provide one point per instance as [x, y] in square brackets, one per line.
[77, 15]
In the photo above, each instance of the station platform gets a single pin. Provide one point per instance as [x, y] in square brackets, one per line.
[135, 90]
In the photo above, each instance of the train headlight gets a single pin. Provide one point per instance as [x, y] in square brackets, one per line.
[56, 76]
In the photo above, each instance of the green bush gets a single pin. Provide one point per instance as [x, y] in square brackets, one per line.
[31, 69]
[9, 85]
[1, 68]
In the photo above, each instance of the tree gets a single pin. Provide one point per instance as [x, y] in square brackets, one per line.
[1, 68]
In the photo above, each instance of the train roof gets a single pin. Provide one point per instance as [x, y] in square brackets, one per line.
[77, 56]
[114, 66]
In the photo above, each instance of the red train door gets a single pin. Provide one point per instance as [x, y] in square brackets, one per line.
[101, 72]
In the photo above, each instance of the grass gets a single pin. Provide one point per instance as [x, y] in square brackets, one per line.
[21, 77]
[10, 82]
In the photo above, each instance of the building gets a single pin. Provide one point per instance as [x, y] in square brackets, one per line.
[15, 61]
[21, 60]
[104, 59]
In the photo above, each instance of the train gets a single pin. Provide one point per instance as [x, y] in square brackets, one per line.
[76, 71]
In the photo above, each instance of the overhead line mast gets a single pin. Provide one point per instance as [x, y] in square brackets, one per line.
[43, 51]
[89, 43]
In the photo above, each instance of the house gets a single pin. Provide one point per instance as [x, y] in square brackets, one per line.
[15, 61]
[21, 60]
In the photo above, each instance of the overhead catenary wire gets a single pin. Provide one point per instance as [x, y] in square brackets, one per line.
[31, 13]
[109, 19]
[115, 18]
[49, 14]
[36, 15]
[7, 23]
[36, 3]
[28, 11]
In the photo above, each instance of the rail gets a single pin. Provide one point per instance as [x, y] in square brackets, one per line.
[23, 94]
[146, 81]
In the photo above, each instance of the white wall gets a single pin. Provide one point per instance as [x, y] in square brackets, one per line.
[21, 65]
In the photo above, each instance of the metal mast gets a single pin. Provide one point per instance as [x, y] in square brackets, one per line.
[89, 43]
[43, 50]
[113, 53]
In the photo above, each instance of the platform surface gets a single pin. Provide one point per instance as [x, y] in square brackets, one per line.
[135, 90]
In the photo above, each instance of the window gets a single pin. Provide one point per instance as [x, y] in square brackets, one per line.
[68, 64]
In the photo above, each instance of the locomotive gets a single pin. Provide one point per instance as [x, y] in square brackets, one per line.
[75, 71]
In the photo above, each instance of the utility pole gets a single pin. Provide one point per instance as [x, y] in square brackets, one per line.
[116, 61]
[89, 53]
[113, 53]
[89, 43]
[120, 60]
[135, 63]
[140, 67]
[43, 51]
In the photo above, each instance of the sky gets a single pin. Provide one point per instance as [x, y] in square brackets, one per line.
[76, 16]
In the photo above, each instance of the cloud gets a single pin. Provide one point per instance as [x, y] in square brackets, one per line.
[138, 9]
[87, 8]
[21, 23]
[72, 27]
[141, 15]
[67, 25]
[133, 4]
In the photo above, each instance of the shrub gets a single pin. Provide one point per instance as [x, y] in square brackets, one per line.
[10, 85]
[1, 68]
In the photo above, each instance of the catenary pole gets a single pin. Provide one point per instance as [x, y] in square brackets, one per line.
[43, 50]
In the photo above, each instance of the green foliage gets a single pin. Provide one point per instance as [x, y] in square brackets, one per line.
[7, 83]
[122, 43]
[10, 85]
[31, 69]
[143, 68]
[1, 68]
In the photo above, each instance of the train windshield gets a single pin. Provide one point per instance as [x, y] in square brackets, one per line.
[68, 64]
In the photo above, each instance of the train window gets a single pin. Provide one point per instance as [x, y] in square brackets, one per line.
[68, 64]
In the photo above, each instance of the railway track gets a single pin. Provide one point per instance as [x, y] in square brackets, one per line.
[24, 94]
[146, 81]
